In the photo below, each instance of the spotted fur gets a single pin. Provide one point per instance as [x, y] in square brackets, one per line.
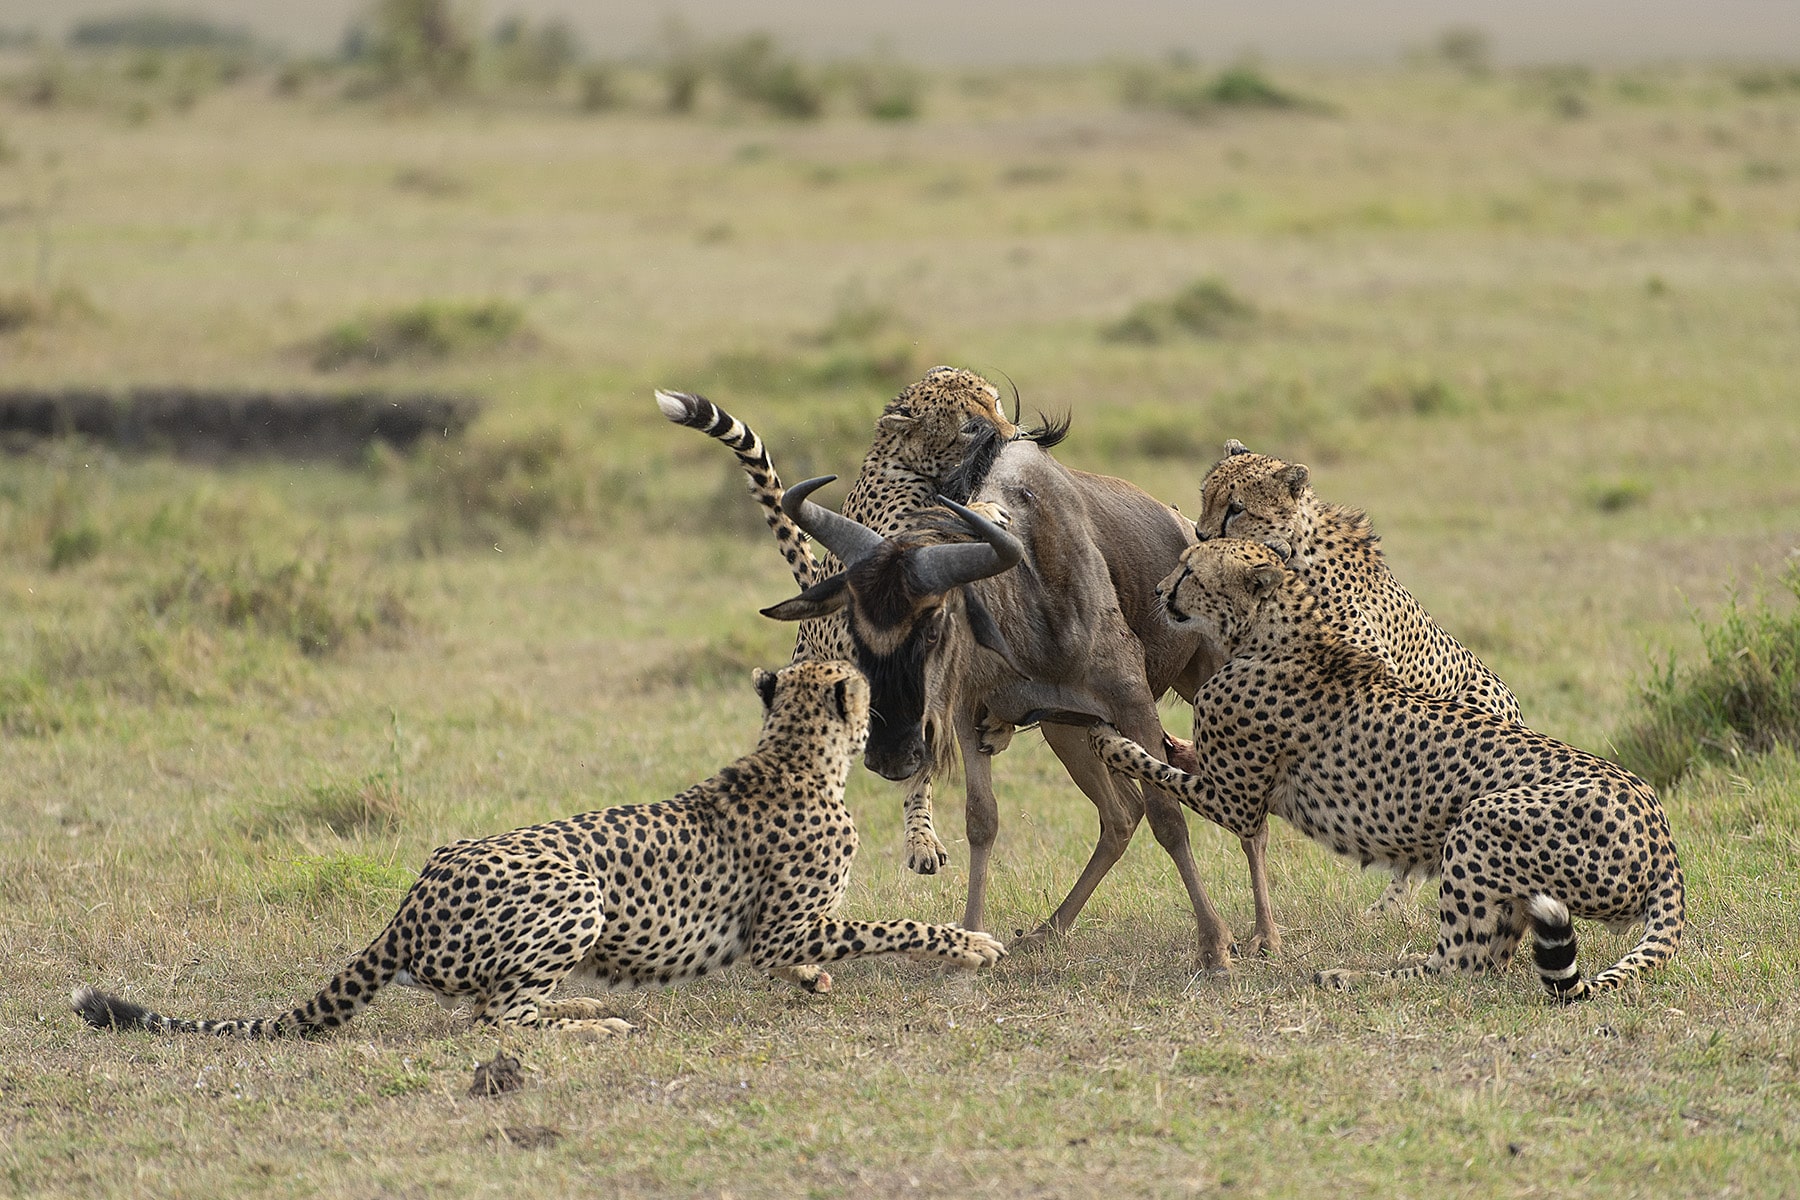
[749, 865]
[1336, 550]
[922, 441]
[1306, 725]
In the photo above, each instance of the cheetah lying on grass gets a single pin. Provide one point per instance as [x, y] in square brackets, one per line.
[1520, 826]
[751, 864]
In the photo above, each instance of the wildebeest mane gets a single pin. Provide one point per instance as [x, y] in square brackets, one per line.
[978, 459]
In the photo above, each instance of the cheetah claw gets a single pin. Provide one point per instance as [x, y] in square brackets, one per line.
[925, 854]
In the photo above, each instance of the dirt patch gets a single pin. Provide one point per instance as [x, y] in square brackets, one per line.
[222, 423]
[496, 1077]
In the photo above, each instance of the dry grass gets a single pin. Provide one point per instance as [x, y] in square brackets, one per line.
[1549, 353]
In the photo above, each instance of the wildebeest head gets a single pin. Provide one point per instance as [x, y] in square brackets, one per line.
[909, 607]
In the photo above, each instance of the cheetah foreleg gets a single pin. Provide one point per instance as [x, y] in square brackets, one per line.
[807, 979]
[925, 854]
[1243, 816]
[824, 940]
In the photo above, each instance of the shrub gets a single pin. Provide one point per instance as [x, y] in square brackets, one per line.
[755, 68]
[885, 90]
[1743, 699]
[535, 55]
[1205, 308]
[1178, 87]
[432, 330]
[421, 44]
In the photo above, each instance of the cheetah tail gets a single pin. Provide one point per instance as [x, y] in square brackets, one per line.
[697, 412]
[1553, 935]
[346, 995]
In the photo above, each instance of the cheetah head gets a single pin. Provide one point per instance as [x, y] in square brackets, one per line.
[931, 426]
[1220, 587]
[795, 697]
[1256, 498]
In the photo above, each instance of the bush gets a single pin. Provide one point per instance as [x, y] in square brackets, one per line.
[1178, 87]
[1205, 308]
[432, 330]
[755, 68]
[1743, 699]
[419, 44]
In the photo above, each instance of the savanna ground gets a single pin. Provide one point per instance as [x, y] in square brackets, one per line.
[1543, 326]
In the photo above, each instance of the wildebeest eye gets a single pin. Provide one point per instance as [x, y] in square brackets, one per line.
[972, 425]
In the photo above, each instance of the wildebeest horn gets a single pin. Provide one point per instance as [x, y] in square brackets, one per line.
[845, 538]
[940, 568]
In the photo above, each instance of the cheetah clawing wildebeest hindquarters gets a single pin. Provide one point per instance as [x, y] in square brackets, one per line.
[749, 865]
[1522, 828]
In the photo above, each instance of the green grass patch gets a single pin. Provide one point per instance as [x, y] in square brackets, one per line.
[1743, 699]
[295, 601]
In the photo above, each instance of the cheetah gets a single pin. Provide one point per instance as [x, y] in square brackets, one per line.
[1521, 828]
[924, 441]
[751, 865]
[1336, 550]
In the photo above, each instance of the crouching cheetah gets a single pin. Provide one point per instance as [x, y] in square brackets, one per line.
[751, 864]
[1521, 827]
[1335, 549]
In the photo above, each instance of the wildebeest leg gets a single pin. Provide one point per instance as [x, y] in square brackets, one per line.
[1168, 821]
[1267, 938]
[981, 820]
[1121, 808]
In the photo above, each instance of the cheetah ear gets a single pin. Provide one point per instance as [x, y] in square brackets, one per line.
[1295, 478]
[765, 686]
[895, 422]
[840, 696]
[826, 596]
[1265, 578]
[1233, 446]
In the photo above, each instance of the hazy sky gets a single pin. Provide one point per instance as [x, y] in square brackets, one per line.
[1004, 31]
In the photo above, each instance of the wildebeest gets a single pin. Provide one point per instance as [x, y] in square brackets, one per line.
[1074, 626]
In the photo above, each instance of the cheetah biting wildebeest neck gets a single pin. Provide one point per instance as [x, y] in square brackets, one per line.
[1519, 826]
[749, 865]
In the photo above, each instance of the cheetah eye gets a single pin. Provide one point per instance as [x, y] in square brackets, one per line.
[1233, 509]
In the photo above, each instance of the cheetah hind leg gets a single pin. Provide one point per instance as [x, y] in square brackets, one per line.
[528, 1005]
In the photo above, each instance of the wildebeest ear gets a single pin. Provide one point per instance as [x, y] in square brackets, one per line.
[1295, 477]
[1233, 446]
[840, 696]
[1265, 577]
[822, 598]
[987, 632]
[765, 686]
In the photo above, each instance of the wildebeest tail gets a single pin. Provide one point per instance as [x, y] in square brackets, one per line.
[697, 412]
[1553, 935]
[348, 993]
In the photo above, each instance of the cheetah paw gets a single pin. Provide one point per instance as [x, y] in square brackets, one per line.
[603, 1030]
[979, 950]
[994, 512]
[993, 737]
[1336, 979]
[925, 854]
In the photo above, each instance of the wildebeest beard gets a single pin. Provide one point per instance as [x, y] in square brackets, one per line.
[896, 748]
[978, 459]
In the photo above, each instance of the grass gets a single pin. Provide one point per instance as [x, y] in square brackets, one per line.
[1547, 350]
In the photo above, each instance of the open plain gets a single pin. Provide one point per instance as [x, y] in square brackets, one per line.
[1543, 326]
